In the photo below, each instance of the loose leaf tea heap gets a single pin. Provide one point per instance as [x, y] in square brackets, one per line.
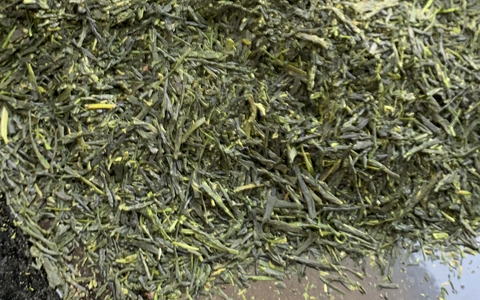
[151, 149]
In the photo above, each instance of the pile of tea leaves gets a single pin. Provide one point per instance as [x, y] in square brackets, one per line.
[151, 149]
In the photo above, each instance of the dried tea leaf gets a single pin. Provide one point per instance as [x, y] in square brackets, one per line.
[4, 125]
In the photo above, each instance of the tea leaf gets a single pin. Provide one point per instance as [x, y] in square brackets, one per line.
[4, 125]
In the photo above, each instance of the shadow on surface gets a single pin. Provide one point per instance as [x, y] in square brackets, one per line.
[19, 279]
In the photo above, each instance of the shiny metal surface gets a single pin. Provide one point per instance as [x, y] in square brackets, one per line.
[418, 279]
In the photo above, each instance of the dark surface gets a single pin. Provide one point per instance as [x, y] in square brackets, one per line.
[19, 280]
